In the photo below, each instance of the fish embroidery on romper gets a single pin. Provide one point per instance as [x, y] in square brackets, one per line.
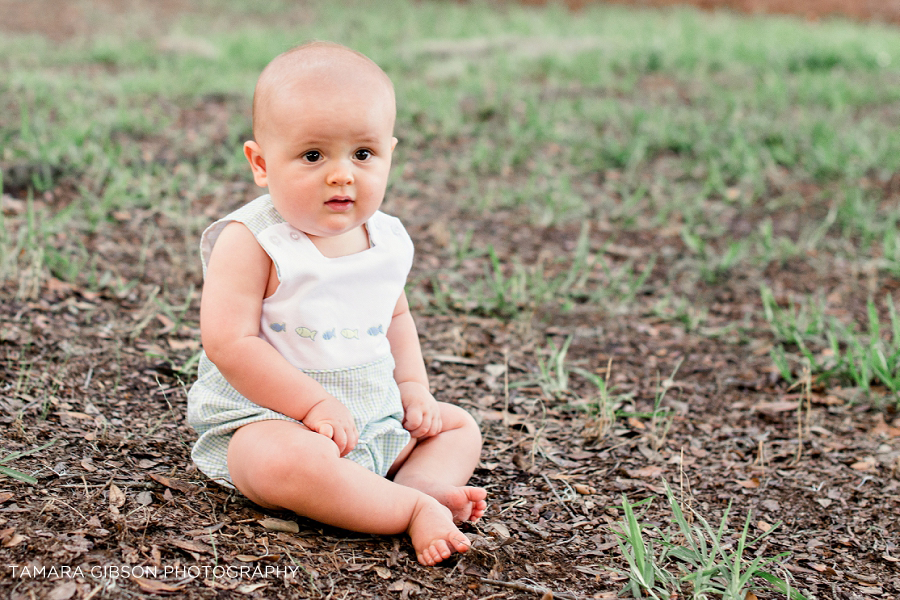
[373, 331]
[328, 335]
[350, 334]
[305, 332]
[278, 327]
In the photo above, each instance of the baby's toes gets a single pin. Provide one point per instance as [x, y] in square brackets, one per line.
[478, 509]
[435, 553]
[460, 542]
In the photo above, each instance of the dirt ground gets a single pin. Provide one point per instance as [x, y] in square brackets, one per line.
[118, 498]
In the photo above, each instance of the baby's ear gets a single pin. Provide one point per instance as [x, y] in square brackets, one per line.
[393, 143]
[257, 163]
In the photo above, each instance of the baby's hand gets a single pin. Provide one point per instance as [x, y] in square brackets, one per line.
[333, 420]
[421, 413]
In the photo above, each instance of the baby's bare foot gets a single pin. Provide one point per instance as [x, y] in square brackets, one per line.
[433, 534]
[466, 503]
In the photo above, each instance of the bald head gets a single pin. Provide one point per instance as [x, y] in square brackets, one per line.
[317, 68]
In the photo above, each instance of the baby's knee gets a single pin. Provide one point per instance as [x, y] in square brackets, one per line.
[455, 417]
[272, 461]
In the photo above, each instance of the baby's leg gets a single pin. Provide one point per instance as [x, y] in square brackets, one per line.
[441, 465]
[284, 465]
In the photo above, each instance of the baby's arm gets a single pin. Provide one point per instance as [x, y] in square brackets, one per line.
[230, 310]
[422, 415]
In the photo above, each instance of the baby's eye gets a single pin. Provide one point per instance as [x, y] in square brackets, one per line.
[312, 156]
[363, 154]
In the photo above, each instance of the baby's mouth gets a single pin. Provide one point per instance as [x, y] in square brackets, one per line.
[339, 203]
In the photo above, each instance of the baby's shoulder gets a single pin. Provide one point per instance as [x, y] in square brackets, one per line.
[388, 224]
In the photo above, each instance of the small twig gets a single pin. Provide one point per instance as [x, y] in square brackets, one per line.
[536, 530]
[137, 484]
[558, 497]
[514, 504]
[524, 587]
[505, 387]
[860, 577]
[805, 398]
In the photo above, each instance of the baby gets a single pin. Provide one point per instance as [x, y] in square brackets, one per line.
[313, 395]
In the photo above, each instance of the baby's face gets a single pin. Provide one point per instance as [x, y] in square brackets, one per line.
[327, 149]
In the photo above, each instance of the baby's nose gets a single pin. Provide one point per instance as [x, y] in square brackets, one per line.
[341, 174]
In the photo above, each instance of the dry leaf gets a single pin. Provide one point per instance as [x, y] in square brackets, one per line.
[584, 490]
[192, 546]
[250, 587]
[4, 496]
[824, 502]
[63, 591]
[189, 344]
[407, 587]
[264, 557]
[449, 358]
[175, 484]
[499, 528]
[636, 423]
[495, 370]
[751, 483]
[383, 572]
[75, 414]
[14, 540]
[246, 558]
[776, 407]
[116, 496]
[824, 569]
[883, 429]
[274, 524]
[157, 587]
[648, 472]
[763, 526]
[862, 465]
[88, 465]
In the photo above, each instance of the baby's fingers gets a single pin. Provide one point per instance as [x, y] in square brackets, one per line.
[326, 429]
[412, 421]
[336, 435]
[425, 428]
[340, 440]
[436, 427]
[352, 439]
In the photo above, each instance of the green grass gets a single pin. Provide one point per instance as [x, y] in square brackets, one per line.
[853, 355]
[694, 557]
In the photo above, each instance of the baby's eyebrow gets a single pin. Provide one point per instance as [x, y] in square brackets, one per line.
[368, 140]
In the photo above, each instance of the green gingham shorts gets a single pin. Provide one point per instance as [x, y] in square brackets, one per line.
[216, 410]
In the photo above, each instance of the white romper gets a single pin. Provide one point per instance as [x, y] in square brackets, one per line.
[328, 318]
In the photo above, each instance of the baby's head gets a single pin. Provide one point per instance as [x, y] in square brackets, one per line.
[323, 122]
[324, 70]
